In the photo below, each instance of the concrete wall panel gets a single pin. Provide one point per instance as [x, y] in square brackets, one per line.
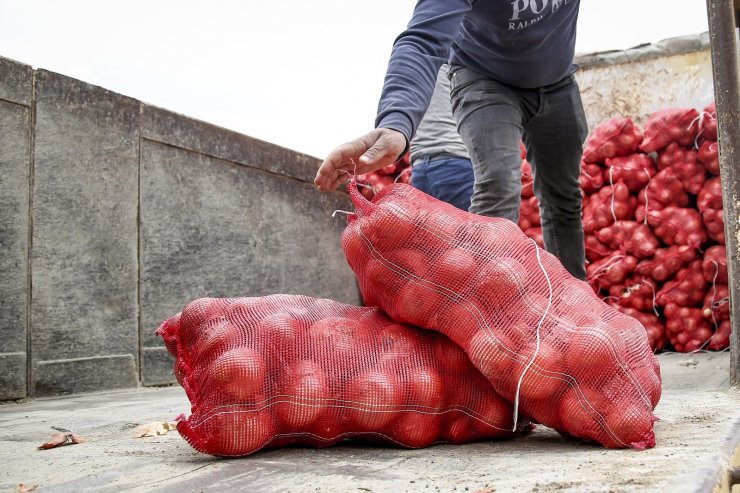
[16, 82]
[84, 256]
[214, 228]
[170, 128]
[15, 164]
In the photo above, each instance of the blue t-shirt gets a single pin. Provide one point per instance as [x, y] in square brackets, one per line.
[522, 43]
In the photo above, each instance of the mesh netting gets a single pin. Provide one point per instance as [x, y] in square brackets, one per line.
[277, 370]
[542, 338]
[670, 125]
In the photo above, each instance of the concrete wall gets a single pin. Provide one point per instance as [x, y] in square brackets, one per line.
[114, 214]
[15, 163]
[673, 73]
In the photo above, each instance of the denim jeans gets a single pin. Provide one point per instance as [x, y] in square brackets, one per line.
[492, 118]
[449, 179]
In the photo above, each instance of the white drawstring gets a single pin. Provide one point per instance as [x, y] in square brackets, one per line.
[537, 347]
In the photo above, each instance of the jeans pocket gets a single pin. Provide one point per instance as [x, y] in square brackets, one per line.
[460, 77]
[453, 69]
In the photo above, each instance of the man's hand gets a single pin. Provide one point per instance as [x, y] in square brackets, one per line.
[372, 151]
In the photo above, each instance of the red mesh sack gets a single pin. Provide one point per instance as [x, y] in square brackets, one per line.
[617, 136]
[670, 125]
[714, 222]
[617, 234]
[720, 340]
[708, 155]
[373, 182]
[595, 250]
[634, 238]
[391, 169]
[717, 311]
[710, 195]
[646, 206]
[714, 264]
[376, 180]
[687, 289]
[635, 171]
[529, 213]
[608, 205]
[666, 188]
[527, 180]
[591, 177]
[536, 234]
[666, 262]
[708, 122]
[716, 306]
[643, 243]
[678, 226]
[405, 175]
[686, 329]
[282, 369]
[653, 325]
[636, 292]
[684, 163]
[612, 269]
[543, 338]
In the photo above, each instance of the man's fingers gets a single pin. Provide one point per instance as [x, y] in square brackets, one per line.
[372, 151]
[341, 161]
[329, 170]
[385, 150]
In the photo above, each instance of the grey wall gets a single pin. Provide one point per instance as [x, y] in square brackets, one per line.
[15, 164]
[114, 214]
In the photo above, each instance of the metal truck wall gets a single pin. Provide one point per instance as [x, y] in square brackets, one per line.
[114, 214]
[637, 82]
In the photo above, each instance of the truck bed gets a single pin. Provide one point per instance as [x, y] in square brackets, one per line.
[697, 436]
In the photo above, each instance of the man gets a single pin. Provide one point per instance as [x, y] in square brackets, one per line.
[511, 78]
[441, 163]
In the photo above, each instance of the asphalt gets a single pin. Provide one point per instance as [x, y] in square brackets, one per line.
[697, 436]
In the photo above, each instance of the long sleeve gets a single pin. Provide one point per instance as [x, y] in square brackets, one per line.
[414, 63]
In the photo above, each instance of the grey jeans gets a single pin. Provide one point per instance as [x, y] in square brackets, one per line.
[492, 118]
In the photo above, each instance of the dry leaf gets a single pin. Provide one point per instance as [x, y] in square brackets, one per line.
[22, 488]
[66, 437]
[155, 429]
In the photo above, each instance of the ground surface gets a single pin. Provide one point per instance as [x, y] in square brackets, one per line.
[698, 431]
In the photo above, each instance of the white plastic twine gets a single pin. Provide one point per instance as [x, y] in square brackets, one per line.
[711, 308]
[714, 293]
[655, 310]
[348, 213]
[700, 119]
[604, 268]
[630, 289]
[342, 212]
[537, 347]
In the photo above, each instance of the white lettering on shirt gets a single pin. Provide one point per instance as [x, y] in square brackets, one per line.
[522, 9]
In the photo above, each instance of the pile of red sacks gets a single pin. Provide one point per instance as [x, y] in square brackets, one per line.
[653, 223]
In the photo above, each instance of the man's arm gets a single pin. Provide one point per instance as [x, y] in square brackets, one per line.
[417, 55]
[412, 71]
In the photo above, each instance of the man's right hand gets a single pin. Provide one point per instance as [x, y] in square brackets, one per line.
[374, 150]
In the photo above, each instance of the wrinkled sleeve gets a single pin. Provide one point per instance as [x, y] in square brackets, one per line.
[414, 63]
